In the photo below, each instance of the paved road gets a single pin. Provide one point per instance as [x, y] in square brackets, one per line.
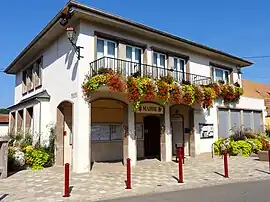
[258, 191]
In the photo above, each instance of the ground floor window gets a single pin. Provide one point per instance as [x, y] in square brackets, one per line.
[231, 120]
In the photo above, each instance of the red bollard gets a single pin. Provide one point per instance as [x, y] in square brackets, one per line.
[183, 154]
[269, 159]
[180, 165]
[128, 183]
[66, 188]
[226, 170]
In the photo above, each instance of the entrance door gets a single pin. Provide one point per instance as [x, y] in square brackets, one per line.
[152, 136]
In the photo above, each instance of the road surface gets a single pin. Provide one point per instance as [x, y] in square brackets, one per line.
[258, 191]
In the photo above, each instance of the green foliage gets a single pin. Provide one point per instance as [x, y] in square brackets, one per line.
[240, 147]
[37, 158]
[257, 145]
[217, 146]
[26, 141]
[4, 111]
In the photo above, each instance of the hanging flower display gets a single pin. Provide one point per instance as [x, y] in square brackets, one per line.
[198, 94]
[208, 97]
[188, 94]
[165, 89]
[176, 94]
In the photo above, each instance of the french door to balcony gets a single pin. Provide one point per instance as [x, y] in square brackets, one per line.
[106, 49]
[159, 61]
[133, 58]
[179, 69]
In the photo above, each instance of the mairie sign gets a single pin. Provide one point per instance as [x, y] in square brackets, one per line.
[150, 108]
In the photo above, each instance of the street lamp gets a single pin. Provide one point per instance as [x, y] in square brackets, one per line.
[71, 33]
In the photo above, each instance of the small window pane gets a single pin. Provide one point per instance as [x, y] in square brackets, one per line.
[162, 60]
[226, 76]
[139, 131]
[247, 119]
[100, 132]
[138, 55]
[223, 130]
[155, 59]
[235, 120]
[219, 75]
[100, 48]
[175, 61]
[182, 65]
[257, 121]
[129, 52]
[213, 73]
[116, 132]
[111, 49]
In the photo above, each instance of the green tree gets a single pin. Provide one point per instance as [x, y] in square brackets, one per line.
[3, 111]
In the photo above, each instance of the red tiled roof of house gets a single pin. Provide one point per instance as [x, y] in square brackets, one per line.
[4, 118]
[257, 90]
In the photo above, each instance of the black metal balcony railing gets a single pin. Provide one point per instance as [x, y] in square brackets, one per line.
[129, 68]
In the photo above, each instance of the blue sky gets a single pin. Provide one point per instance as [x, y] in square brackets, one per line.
[238, 27]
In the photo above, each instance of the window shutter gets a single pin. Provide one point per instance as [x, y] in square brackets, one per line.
[223, 125]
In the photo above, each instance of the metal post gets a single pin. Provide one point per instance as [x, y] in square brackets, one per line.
[180, 165]
[226, 172]
[183, 154]
[66, 188]
[128, 174]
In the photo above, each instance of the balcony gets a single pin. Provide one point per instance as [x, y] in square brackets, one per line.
[129, 68]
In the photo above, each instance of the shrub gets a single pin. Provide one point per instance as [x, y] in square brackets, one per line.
[37, 158]
[217, 146]
[256, 145]
[242, 134]
[240, 147]
[26, 141]
[265, 143]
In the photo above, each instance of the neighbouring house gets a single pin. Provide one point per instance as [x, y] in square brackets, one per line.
[260, 91]
[51, 70]
[4, 119]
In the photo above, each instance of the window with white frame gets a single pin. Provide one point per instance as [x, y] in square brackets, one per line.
[159, 60]
[219, 74]
[179, 69]
[134, 56]
[106, 48]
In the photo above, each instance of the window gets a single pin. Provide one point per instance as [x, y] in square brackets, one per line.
[31, 77]
[231, 120]
[179, 69]
[220, 74]
[134, 55]
[106, 48]
[106, 132]
[159, 60]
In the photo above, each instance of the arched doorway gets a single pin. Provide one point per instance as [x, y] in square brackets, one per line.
[107, 123]
[152, 136]
[63, 140]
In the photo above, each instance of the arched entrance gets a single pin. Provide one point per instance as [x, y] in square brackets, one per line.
[63, 140]
[152, 136]
[107, 123]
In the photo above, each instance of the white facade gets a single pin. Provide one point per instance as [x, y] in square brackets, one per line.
[63, 75]
[3, 129]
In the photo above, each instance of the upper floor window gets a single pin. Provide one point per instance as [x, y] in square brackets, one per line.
[219, 74]
[134, 55]
[106, 48]
[179, 69]
[159, 60]
[31, 77]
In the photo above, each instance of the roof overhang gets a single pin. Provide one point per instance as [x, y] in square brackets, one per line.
[54, 29]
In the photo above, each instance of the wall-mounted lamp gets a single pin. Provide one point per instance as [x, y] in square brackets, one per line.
[71, 33]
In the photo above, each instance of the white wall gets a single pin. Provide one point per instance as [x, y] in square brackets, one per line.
[3, 129]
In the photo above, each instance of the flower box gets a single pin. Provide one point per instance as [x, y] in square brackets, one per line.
[263, 155]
